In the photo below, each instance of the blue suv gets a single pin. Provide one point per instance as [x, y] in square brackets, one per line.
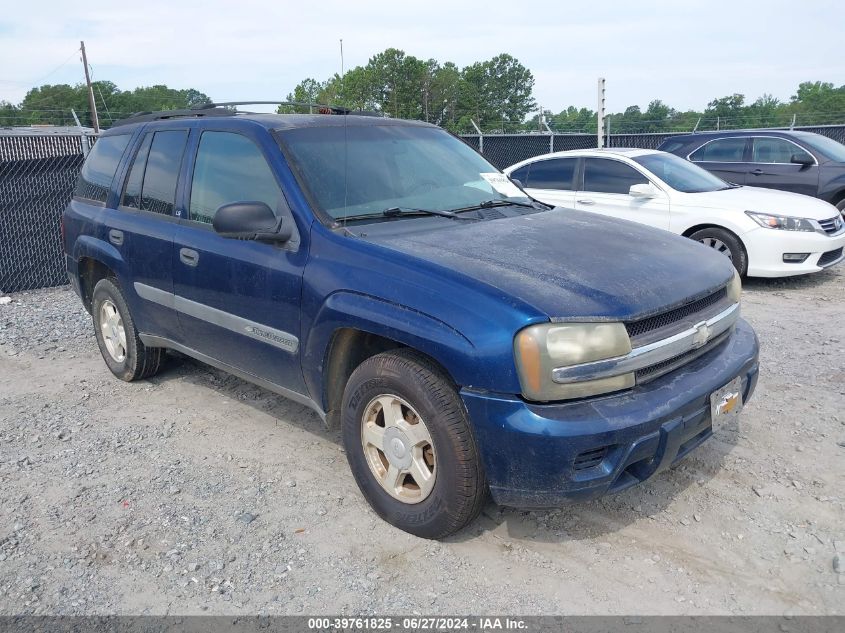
[466, 338]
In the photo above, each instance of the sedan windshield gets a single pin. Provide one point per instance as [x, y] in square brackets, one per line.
[362, 170]
[680, 174]
[829, 148]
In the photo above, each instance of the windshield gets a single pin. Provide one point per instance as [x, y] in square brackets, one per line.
[365, 169]
[680, 174]
[826, 146]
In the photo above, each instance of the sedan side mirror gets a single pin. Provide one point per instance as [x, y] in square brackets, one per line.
[643, 190]
[801, 159]
[250, 221]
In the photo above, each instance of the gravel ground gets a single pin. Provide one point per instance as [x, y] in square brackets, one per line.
[196, 492]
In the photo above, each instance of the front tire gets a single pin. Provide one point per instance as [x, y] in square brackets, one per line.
[125, 355]
[726, 243]
[841, 206]
[410, 446]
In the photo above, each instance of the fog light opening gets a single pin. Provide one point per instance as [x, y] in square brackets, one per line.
[795, 258]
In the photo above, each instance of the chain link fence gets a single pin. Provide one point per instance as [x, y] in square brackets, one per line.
[503, 150]
[37, 177]
[38, 173]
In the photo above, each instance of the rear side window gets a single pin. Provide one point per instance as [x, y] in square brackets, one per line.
[158, 192]
[98, 171]
[230, 168]
[602, 175]
[555, 173]
[776, 150]
[725, 150]
[135, 182]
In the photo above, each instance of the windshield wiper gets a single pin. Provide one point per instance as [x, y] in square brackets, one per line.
[394, 212]
[489, 204]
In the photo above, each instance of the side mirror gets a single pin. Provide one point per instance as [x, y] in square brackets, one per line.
[250, 221]
[643, 190]
[801, 159]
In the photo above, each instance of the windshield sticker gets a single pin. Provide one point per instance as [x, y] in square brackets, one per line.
[502, 184]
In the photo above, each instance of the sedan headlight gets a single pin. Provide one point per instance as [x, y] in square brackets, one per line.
[539, 349]
[784, 222]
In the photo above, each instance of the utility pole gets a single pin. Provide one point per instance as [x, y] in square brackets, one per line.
[91, 103]
[600, 132]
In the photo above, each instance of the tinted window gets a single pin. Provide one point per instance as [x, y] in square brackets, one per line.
[230, 168]
[134, 182]
[775, 150]
[602, 175]
[159, 189]
[98, 171]
[521, 175]
[725, 150]
[555, 173]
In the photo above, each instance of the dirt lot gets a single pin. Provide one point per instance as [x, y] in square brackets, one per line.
[196, 492]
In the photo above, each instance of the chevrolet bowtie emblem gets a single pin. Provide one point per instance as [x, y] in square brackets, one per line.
[702, 334]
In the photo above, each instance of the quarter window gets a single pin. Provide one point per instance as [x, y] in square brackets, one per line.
[602, 175]
[725, 150]
[776, 150]
[555, 173]
[230, 168]
[98, 171]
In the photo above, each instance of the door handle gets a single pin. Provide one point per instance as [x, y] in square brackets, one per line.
[189, 256]
[115, 237]
[586, 201]
[757, 171]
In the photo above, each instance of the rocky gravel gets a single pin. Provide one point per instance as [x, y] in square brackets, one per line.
[197, 493]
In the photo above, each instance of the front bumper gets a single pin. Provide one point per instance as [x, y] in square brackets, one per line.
[766, 248]
[545, 455]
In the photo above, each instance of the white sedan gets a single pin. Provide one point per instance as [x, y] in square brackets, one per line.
[766, 233]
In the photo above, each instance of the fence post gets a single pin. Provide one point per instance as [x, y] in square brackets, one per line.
[551, 136]
[792, 125]
[480, 137]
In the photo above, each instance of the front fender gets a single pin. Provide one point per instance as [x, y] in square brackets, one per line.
[423, 332]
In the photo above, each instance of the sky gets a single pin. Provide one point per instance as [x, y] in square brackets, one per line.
[685, 53]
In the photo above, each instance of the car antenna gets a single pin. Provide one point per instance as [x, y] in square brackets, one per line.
[345, 139]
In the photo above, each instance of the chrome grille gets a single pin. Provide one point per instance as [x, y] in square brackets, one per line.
[651, 372]
[681, 317]
[832, 225]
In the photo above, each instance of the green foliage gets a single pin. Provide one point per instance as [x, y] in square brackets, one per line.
[496, 93]
[52, 104]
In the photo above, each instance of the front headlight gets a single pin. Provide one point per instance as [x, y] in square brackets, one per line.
[539, 349]
[784, 222]
[734, 288]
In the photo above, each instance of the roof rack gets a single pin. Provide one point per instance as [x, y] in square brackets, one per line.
[223, 109]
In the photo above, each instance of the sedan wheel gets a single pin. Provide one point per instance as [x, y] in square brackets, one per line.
[718, 245]
[724, 242]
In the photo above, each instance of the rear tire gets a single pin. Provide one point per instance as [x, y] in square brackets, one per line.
[125, 355]
[726, 243]
[413, 412]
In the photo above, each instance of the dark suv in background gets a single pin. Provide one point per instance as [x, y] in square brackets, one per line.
[802, 162]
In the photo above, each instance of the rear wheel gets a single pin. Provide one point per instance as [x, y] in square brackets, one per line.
[410, 446]
[726, 243]
[126, 356]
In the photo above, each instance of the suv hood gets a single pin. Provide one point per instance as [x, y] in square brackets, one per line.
[760, 200]
[568, 264]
